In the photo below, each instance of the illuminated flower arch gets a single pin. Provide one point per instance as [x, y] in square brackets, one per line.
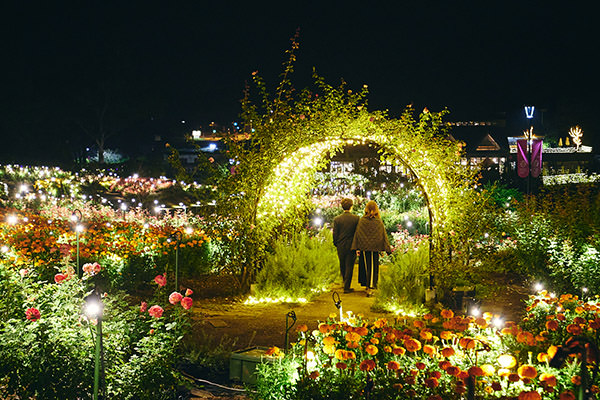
[294, 134]
[420, 146]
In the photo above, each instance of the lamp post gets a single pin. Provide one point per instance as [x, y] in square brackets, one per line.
[76, 217]
[93, 310]
[177, 236]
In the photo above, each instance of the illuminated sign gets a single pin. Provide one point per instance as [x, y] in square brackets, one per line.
[529, 110]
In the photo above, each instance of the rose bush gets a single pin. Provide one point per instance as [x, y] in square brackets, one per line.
[47, 343]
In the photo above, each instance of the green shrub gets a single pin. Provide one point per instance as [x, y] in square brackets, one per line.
[53, 357]
[402, 285]
[299, 267]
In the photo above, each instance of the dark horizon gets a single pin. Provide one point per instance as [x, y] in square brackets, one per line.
[189, 62]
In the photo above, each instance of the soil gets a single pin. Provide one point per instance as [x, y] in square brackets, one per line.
[265, 324]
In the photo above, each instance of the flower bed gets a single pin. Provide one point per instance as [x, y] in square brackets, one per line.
[445, 356]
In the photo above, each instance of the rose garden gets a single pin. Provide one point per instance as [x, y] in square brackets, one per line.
[101, 275]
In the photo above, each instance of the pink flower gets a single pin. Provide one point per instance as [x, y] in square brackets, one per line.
[189, 292]
[23, 272]
[32, 314]
[143, 307]
[175, 297]
[187, 302]
[91, 269]
[156, 311]
[161, 280]
[58, 278]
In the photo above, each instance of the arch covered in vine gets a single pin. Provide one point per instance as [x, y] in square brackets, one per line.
[292, 134]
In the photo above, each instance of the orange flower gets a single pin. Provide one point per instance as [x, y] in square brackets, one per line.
[567, 395]
[467, 343]
[328, 340]
[399, 351]
[431, 383]
[341, 365]
[428, 316]
[576, 380]
[428, 349]
[527, 371]
[367, 365]
[419, 324]
[323, 327]
[374, 340]
[380, 323]
[412, 345]
[453, 370]
[574, 329]
[372, 350]
[446, 335]
[514, 377]
[352, 337]
[444, 364]
[481, 322]
[476, 371]
[530, 395]
[447, 314]
[393, 365]
[552, 325]
[339, 354]
[361, 330]
[447, 352]
[548, 379]
[302, 328]
[542, 357]
[426, 335]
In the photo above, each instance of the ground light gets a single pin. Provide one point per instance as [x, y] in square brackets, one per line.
[93, 310]
[289, 316]
[177, 236]
[76, 217]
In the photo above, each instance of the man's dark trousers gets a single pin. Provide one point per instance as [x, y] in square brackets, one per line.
[344, 226]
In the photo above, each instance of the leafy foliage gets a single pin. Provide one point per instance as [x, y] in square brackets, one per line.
[298, 267]
[404, 280]
[52, 356]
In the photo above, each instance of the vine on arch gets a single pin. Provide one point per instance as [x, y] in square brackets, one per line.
[294, 133]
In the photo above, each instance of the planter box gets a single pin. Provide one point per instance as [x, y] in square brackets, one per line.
[242, 364]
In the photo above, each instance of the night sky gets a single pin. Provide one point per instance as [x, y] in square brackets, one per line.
[157, 64]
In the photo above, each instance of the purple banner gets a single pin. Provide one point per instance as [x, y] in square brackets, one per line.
[522, 159]
[536, 157]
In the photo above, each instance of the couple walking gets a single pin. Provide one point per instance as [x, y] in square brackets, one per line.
[364, 237]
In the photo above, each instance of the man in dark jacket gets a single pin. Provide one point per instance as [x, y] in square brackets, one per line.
[344, 226]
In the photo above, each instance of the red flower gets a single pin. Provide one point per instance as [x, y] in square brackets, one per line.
[175, 297]
[161, 280]
[32, 314]
[367, 365]
[189, 292]
[91, 269]
[143, 307]
[58, 278]
[156, 311]
[187, 302]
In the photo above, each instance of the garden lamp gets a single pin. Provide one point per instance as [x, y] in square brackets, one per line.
[338, 303]
[290, 315]
[93, 310]
[177, 236]
[76, 217]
